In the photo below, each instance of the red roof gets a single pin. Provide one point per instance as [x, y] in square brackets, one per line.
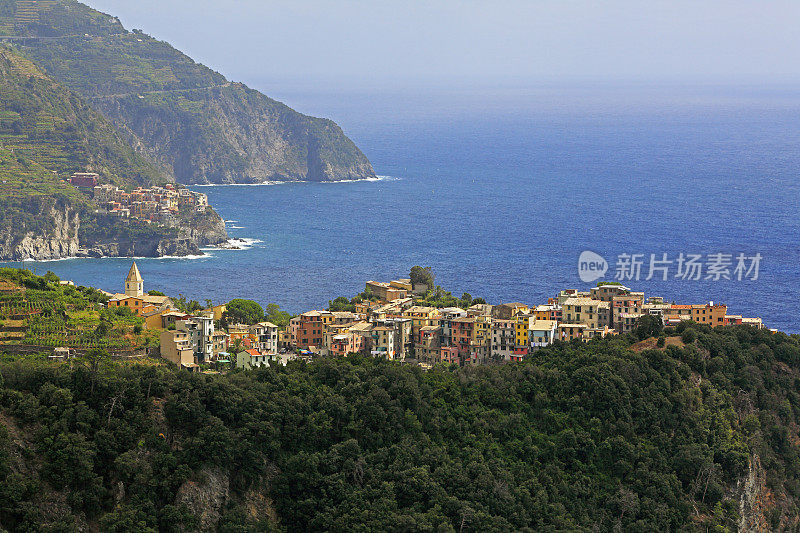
[253, 352]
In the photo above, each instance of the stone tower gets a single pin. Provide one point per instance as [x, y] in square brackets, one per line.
[134, 284]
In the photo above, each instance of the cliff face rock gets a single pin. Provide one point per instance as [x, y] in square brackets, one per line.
[57, 237]
[234, 134]
[205, 229]
[59, 242]
[752, 505]
[209, 495]
[150, 247]
[191, 120]
[206, 498]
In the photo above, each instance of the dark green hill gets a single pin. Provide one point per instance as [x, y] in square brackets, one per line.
[190, 118]
[579, 437]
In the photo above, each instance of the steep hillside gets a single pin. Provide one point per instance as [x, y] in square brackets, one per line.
[191, 119]
[43, 121]
[47, 133]
[39, 212]
[580, 437]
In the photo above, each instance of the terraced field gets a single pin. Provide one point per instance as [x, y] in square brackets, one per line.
[53, 315]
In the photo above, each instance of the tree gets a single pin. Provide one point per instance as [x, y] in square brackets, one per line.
[186, 306]
[156, 293]
[236, 347]
[243, 311]
[648, 326]
[274, 314]
[341, 304]
[421, 276]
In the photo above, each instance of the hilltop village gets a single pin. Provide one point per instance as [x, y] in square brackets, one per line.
[402, 320]
[387, 320]
[155, 204]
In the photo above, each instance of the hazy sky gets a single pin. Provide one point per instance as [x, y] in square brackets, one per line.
[415, 41]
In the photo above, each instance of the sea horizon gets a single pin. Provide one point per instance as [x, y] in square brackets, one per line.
[500, 196]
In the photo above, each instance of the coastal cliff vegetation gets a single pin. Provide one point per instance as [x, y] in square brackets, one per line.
[199, 126]
[47, 133]
[599, 436]
[79, 93]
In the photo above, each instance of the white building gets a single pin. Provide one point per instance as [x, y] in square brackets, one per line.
[200, 332]
[250, 359]
[266, 337]
[542, 333]
[134, 284]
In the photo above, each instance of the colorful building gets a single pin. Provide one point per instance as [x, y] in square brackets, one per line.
[710, 314]
[311, 329]
[593, 313]
[503, 339]
[542, 333]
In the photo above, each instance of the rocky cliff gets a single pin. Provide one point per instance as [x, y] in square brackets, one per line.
[233, 134]
[61, 241]
[191, 120]
[59, 234]
[204, 229]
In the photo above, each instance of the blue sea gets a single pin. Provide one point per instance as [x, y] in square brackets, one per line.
[501, 189]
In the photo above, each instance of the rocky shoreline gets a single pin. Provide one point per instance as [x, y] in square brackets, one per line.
[63, 242]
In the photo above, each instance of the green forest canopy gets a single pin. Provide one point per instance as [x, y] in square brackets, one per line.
[577, 437]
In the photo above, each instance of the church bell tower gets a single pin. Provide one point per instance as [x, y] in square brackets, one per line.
[134, 284]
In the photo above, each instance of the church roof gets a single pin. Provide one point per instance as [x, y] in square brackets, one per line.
[146, 298]
[133, 274]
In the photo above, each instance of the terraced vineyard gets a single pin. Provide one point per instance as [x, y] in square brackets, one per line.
[54, 332]
[44, 122]
[47, 314]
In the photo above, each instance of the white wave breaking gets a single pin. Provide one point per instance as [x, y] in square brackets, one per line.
[268, 183]
[235, 244]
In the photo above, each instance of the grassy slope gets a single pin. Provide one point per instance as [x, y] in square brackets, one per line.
[47, 133]
[45, 122]
[204, 128]
[70, 316]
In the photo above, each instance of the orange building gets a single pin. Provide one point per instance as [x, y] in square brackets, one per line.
[311, 329]
[710, 314]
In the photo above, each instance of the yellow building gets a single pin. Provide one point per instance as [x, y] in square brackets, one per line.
[217, 311]
[710, 314]
[176, 347]
[594, 313]
[482, 330]
[522, 327]
[422, 316]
